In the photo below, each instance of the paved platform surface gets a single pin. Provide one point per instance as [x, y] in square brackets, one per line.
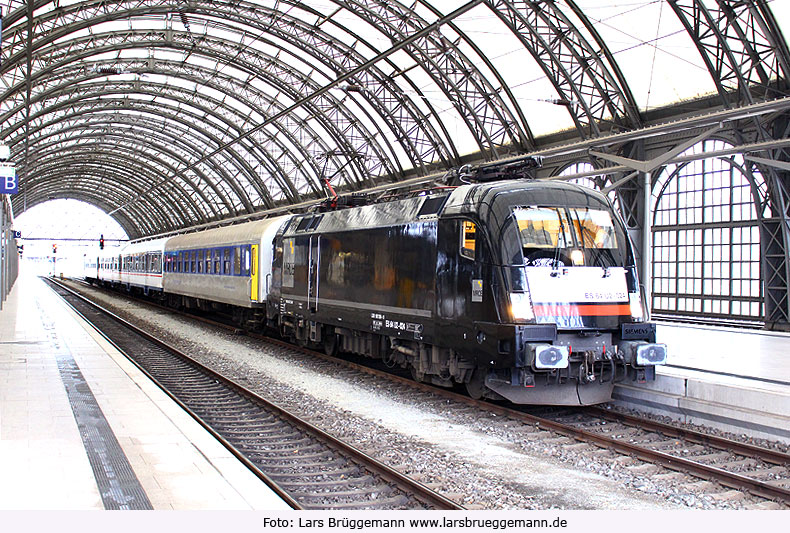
[45, 460]
[737, 380]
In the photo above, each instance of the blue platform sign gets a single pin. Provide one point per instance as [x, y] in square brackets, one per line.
[8, 181]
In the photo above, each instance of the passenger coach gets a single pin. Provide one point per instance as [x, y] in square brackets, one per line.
[141, 265]
[229, 265]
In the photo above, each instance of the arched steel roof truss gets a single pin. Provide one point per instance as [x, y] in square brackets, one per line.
[171, 113]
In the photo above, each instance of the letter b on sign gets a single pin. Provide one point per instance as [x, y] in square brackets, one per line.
[8, 184]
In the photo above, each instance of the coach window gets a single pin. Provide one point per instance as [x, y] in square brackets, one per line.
[245, 261]
[192, 261]
[468, 239]
[217, 262]
[226, 262]
[208, 262]
[236, 260]
[200, 255]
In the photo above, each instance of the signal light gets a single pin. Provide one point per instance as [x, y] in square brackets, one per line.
[54, 248]
[101, 242]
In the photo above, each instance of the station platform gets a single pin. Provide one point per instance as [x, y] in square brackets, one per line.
[81, 428]
[733, 379]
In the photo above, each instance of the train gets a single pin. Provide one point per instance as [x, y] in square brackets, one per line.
[518, 290]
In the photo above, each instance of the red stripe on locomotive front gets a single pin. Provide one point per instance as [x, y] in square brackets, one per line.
[582, 310]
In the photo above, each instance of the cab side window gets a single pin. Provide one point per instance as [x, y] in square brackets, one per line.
[468, 239]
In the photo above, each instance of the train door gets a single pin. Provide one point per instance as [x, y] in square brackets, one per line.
[463, 279]
[471, 284]
[313, 272]
[254, 275]
[446, 270]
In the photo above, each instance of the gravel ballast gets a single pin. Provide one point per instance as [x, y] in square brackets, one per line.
[472, 457]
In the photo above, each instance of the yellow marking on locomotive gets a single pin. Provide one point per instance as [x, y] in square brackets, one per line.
[254, 274]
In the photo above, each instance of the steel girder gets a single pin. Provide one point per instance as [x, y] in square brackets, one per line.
[72, 140]
[101, 13]
[286, 79]
[333, 54]
[586, 78]
[775, 233]
[749, 61]
[212, 132]
[740, 44]
[474, 96]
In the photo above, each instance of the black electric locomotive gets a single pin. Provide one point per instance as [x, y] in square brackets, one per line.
[521, 289]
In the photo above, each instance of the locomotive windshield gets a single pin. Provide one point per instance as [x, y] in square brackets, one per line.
[579, 236]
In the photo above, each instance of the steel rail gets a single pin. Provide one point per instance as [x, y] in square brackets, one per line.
[733, 480]
[254, 469]
[741, 448]
[737, 481]
[408, 485]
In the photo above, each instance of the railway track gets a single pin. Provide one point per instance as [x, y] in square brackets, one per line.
[307, 467]
[732, 465]
[735, 466]
[762, 472]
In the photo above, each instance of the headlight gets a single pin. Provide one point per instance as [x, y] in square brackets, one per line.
[651, 354]
[521, 306]
[549, 356]
[636, 306]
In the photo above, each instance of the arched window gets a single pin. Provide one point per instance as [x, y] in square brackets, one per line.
[706, 238]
